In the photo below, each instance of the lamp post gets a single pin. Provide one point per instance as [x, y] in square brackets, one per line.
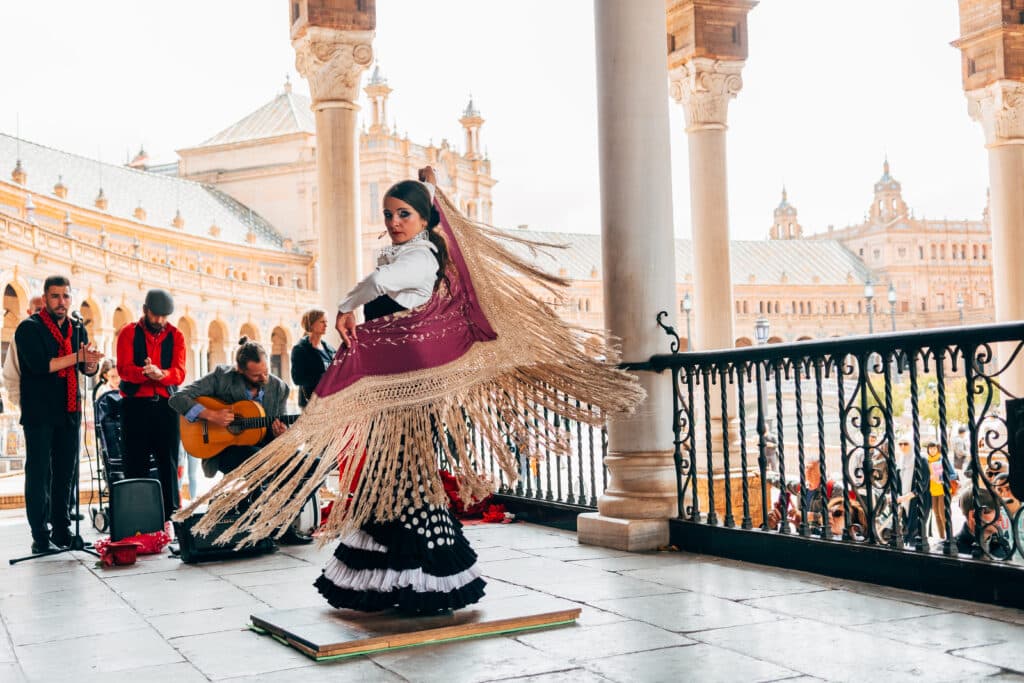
[761, 335]
[960, 306]
[869, 294]
[687, 307]
[892, 305]
[761, 327]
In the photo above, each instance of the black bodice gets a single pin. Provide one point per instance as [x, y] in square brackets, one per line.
[381, 306]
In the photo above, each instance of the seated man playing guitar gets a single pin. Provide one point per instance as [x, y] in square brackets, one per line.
[249, 380]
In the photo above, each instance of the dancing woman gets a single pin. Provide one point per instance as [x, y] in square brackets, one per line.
[459, 348]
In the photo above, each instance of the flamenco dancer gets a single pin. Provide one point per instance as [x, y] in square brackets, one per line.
[453, 337]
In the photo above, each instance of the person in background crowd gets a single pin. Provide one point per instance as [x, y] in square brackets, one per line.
[12, 371]
[52, 349]
[936, 464]
[961, 448]
[107, 378]
[993, 538]
[311, 355]
[151, 364]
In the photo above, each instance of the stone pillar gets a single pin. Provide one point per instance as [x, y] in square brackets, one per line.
[332, 60]
[999, 108]
[992, 71]
[639, 269]
[704, 87]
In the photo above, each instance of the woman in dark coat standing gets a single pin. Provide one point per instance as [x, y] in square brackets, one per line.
[312, 355]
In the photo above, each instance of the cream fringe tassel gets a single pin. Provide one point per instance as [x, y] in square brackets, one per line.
[501, 388]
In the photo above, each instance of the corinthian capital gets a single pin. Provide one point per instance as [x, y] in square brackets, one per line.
[333, 62]
[704, 87]
[999, 108]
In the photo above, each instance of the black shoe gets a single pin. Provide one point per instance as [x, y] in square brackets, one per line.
[44, 547]
[62, 540]
[76, 517]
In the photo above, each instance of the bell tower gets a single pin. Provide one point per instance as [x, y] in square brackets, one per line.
[378, 90]
[785, 226]
[471, 122]
[888, 203]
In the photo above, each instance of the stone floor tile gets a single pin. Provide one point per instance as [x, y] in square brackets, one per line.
[497, 553]
[592, 616]
[533, 570]
[54, 564]
[26, 581]
[67, 660]
[237, 653]
[206, 620]
[287, 595]
[306, 572]
[144, 564]
[469, 661]
[182, 672]
[347, 669]
[608, 586]
[163, 593]
[947, 631]
[57, 603]
[836, 653]
[261, 563]
[580, 643]
[724, 581]
[651, 560]
[12, 673]
[841, 607]
[569, 553]
[705, 663]
[498, 590]
[1009, 655]
[687, 612]
[568, 676]
[49, 627]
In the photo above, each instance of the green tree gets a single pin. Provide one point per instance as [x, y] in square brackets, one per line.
[956, 400]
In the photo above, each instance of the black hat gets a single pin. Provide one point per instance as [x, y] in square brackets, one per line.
[159, 302]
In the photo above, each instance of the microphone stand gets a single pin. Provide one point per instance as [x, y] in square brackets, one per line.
[76, 539]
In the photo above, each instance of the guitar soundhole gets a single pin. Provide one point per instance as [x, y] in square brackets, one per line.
[234, 428]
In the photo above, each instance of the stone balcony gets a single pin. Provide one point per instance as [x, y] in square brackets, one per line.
[664, 616]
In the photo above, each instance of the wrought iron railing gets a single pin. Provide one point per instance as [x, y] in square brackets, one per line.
[830, 440]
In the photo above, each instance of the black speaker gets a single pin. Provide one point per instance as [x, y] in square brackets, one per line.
[194, 548]
[136, 506]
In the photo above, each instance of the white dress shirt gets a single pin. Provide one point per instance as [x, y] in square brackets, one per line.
[405, 272]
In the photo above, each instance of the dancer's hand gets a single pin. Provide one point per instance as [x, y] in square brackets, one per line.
[345, 324]
[427, 175]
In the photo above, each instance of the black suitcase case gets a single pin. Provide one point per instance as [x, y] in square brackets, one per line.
[193, 548]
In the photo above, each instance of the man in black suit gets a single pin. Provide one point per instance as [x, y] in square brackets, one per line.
[52, 348]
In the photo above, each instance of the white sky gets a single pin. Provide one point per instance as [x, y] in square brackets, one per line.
[830, 87]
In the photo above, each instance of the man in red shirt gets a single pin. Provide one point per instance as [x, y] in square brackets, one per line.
[151, 363]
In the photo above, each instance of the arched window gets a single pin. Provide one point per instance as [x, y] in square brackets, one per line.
[935, 252]
[984, 252]
[776, 307]
[744, 306]
[974, 252]
[881, 205]
[860, 307]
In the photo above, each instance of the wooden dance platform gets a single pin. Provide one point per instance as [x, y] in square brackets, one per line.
[326, 633]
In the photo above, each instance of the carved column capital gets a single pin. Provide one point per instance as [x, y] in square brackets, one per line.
[704, 87]
[333, 62]
[999, 108]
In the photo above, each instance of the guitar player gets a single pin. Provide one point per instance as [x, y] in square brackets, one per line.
[249, 379]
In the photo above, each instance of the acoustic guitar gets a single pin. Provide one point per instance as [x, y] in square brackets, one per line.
[203, 439]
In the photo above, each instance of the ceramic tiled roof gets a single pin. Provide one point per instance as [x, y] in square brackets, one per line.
[161, 196]
[287, 113]
[799, 262]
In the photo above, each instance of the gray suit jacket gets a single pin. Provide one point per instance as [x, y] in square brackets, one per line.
[227, 385]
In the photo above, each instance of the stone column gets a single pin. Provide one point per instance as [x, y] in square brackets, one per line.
[639, 269]
[999, 108]
[704, 87]
[333, 61]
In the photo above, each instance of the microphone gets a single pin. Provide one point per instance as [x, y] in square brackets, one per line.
[76, 317]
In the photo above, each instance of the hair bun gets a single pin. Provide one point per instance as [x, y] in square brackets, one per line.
[243, 341]
[435, 218]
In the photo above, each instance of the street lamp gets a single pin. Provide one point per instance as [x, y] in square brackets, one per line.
[960, 306]
[892, 305]
[761, 328]
[869, 294]
[687, 307]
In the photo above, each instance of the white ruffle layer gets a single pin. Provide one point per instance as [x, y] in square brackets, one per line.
[360, 540]
[386, 580]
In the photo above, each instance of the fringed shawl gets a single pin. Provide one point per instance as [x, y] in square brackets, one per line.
[486, 354]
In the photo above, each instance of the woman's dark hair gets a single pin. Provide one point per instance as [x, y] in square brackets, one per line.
[248, 352]
[416, 195]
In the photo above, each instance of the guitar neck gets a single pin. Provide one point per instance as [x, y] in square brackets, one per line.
[262, 422]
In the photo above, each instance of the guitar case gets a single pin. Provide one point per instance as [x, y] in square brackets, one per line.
[194, 548]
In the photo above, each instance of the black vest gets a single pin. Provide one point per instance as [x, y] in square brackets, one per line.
[381, 306]
[139, 357]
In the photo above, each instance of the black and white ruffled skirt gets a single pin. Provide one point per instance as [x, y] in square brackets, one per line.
[420, 563]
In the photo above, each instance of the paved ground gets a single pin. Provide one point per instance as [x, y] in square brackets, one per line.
[646, 617]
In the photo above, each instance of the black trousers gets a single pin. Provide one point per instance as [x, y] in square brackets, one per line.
[50, 455]
[151, 431]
